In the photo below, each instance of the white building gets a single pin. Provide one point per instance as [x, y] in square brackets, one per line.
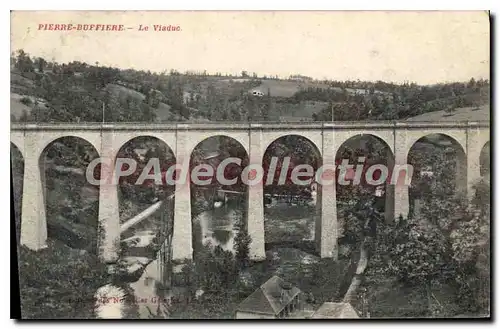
[257, 93]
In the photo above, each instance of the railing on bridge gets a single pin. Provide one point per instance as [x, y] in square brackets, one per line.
[246, 125]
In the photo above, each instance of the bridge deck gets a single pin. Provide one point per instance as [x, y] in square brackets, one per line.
[374, 125]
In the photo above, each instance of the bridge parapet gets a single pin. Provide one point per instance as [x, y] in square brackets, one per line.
[375, 125]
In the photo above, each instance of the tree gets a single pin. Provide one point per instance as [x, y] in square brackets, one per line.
[148, 114]
[242, 246]
[24, 62]
[268, 107]
[234, 112]
[191, 279]
[25, 117]
[44, 297]
[470, 249]
[471, 84]
[185, 112]
[444, 243]
[449, 110]
[40, 64]
[359, 227]
[215, 269]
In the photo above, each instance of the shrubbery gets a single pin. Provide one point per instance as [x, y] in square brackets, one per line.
[58, 282]
[26, 101]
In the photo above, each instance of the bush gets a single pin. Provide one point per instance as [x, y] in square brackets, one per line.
[58, 282]
[26, 101]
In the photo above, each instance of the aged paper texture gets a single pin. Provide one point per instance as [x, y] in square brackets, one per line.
[251, 165]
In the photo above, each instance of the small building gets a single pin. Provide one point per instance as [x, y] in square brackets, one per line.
[379, 191]
[257, 93]
[275, 299]
[427, 171]
[335, 311]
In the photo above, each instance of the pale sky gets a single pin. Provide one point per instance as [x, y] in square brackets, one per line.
[421, 47]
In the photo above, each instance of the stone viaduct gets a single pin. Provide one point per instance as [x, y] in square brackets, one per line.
[32, 139]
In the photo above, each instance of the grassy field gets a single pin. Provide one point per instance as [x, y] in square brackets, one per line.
[278, 88]
[16, 107]
[19, 86]
[460, 114]
[281, 88]
[19, 82]
[162, 113]
[303, 110]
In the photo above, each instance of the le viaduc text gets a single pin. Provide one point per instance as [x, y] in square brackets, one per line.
[106, 27]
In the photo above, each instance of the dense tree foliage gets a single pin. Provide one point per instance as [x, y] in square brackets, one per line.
[242, 242]
[78, 91]
[59, 282]
[445, 242]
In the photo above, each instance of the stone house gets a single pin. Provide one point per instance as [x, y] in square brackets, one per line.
[275, 299]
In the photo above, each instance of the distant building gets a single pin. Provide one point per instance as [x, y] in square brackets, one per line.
[335, 311]
[258, 93]
[379, 191]
[141, 153]
[427, 171]
[275, 299]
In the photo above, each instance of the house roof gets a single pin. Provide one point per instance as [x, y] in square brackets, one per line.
[269, 298]
[336, 311]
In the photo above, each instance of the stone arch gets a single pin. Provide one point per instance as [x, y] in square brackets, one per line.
[71, 203]
[241, 145]
[364, 151]
[16, 155]
[146, 205]
[16, 179]
[385, 136]
[357, 137]
[217, 209]
[314, 137]
[122, 137]
[284, 198]
[485, 159]
[17, 144]
[93, 139]
[132, 187]
[123, 141]
[316, 146]
[457, 136]
[195, 138]
[429, 155]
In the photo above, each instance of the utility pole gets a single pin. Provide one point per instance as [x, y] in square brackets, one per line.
[102, 112]
[332, 112]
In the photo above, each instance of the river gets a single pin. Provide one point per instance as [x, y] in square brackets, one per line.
[282, 221]
[218, 226]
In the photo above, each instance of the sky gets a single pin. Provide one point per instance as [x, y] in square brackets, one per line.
[421, 47]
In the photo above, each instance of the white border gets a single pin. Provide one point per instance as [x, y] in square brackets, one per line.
[256, 5]
[206, 5]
